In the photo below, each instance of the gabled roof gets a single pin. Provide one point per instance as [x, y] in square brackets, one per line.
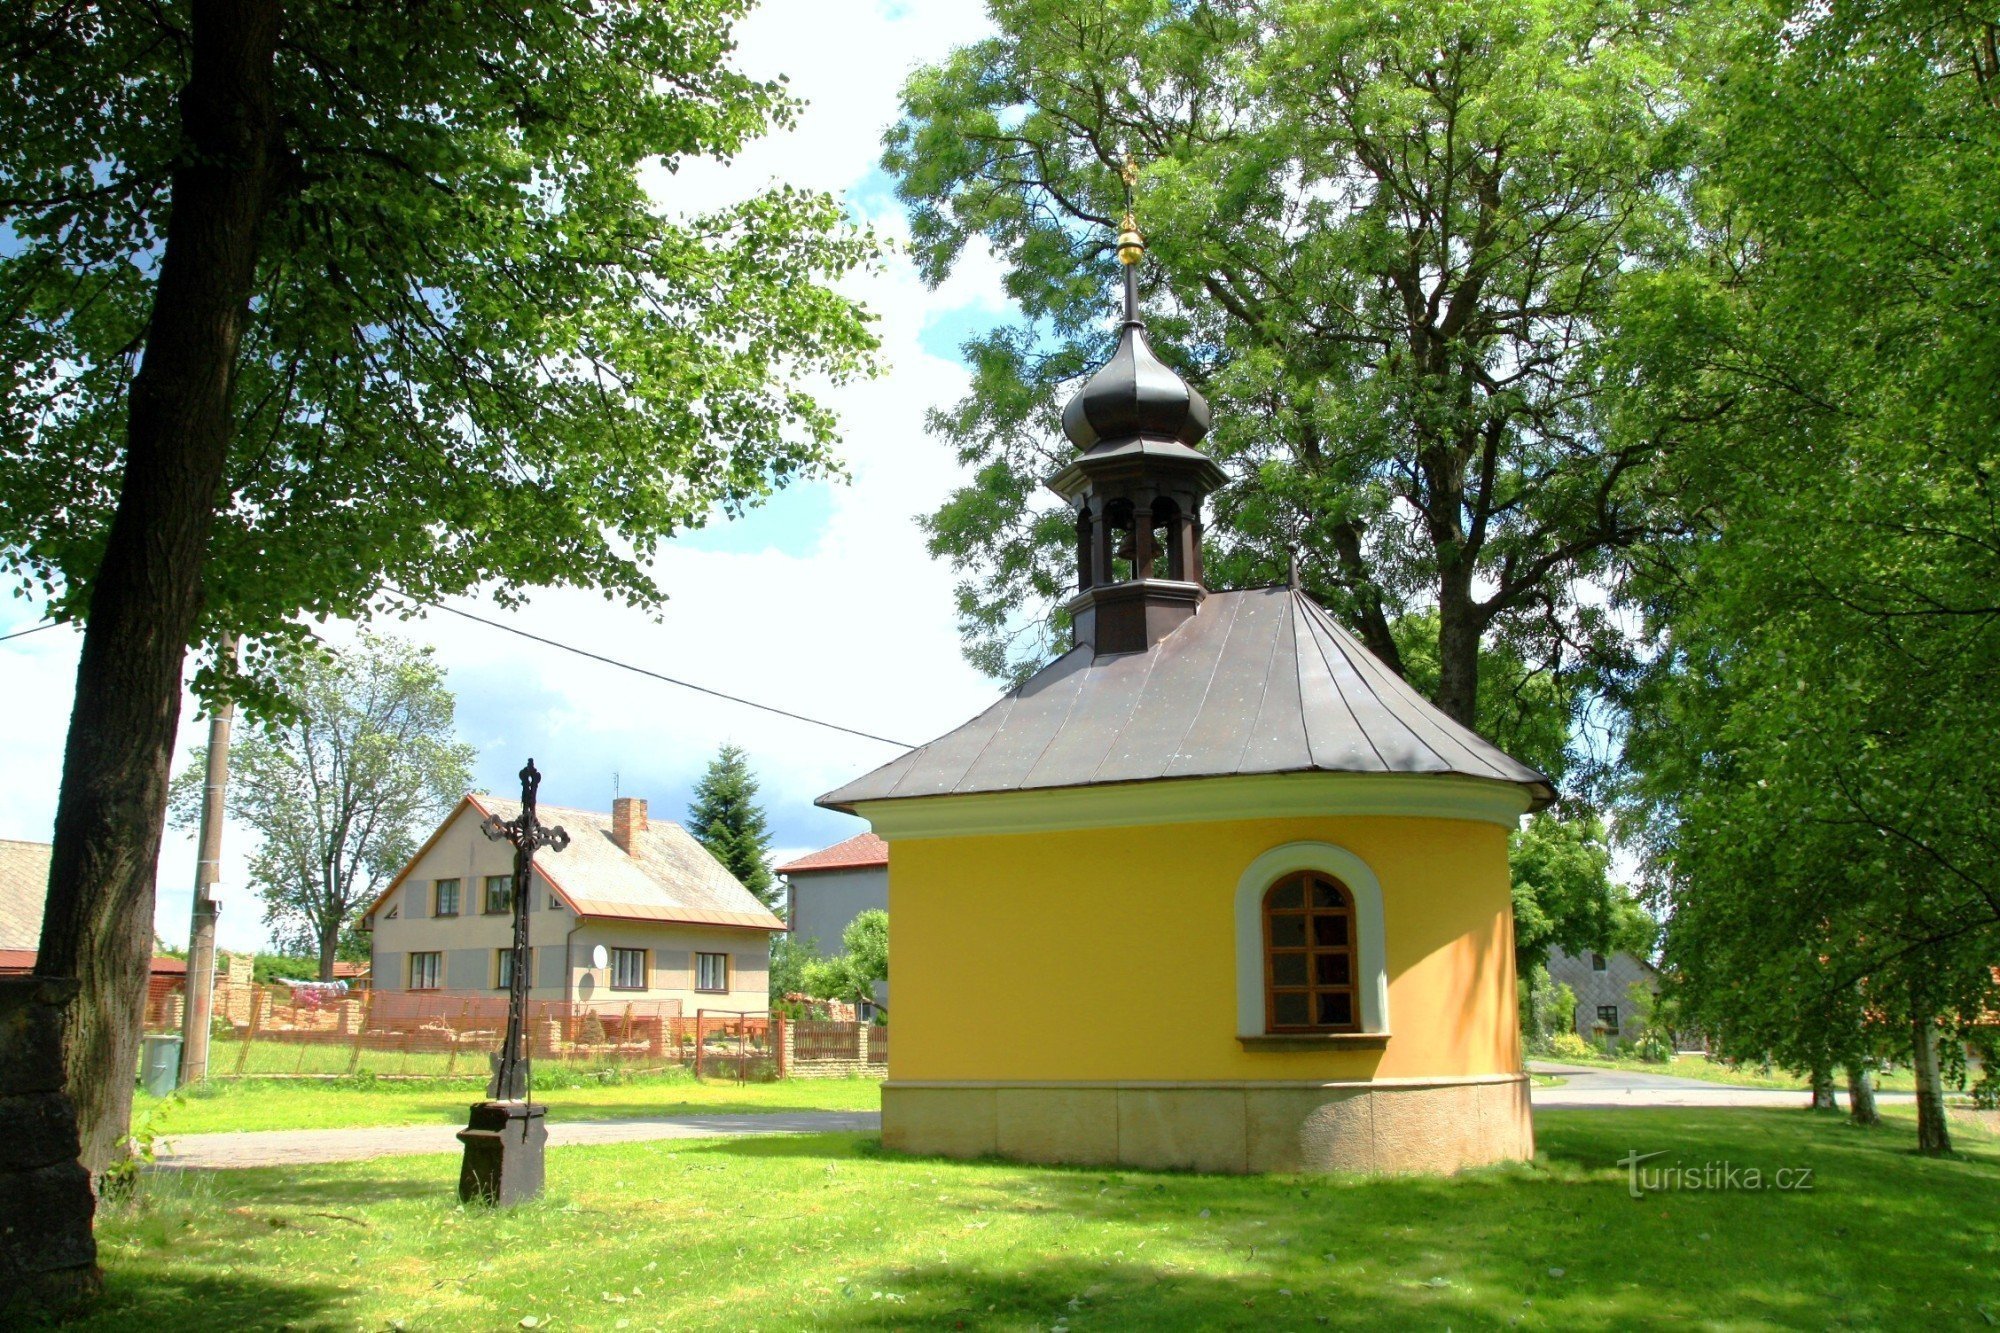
[858, 852]
[668, 876]
[1258, 681]
[24, 888]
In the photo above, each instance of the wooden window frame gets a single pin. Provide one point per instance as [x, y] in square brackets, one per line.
[723, 989]
[1311, 951]
[502, 959]
[1599, 963]
[486, 895]
[437, 969]
[457, 896]
[1610, 1024]
[645, 967]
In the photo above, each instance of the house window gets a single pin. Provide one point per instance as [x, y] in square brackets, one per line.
[444, 898]
[711, 971]
[1310, 977]
[1607, 1017]
[1597, 963]
[393, 912]
[503, 969]
[628, 969]
[425, 968]
[555, 903]
[499, 893]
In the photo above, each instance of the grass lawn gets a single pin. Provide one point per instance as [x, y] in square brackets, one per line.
[346, 1104]
[1742, 1076]
[828, 1232]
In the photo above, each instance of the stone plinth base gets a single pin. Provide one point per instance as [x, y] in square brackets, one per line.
[48, 1259]
[1384, 1127]
[504, 1148]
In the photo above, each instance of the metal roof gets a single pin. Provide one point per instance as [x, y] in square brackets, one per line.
[1258, 681]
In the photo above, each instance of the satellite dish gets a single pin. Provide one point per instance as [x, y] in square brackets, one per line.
[599, 958]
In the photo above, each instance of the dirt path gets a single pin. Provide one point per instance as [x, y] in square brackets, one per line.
[282, 1147]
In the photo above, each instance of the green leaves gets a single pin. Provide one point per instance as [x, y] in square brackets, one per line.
[1384, 240]
[1811, 770]
[480, 354]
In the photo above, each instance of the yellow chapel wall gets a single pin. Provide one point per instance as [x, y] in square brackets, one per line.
[1109, 954]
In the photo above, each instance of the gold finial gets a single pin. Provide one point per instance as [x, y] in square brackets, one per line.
[1131, 245]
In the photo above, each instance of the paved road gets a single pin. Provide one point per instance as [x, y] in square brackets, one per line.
[286, 1147]
[1589, 1087]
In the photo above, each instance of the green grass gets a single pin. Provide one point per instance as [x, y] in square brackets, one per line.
[1714, 1071]
[829, 1232]
[351, 1103]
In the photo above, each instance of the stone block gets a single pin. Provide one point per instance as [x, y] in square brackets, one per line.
[45, 1221]
[1432, 1130]
[1310, 1129]
[1196, 1129]
[31, 1033]
[1070, 1125]
[946, 1122]
[36, 1129]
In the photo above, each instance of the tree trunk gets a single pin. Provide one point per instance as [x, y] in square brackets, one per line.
[1822, 1089]
[1458, 650]
[1933, 1134]
[145, 601]
[329, 945]
[1861, 1095]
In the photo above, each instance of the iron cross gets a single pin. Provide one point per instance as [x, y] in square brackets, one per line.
[527, 833]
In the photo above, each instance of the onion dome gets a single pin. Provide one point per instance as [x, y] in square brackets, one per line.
[1135, 393]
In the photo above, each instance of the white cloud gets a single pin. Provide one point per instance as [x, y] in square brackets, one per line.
[852, 623]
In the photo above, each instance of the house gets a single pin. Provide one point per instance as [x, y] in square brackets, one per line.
[828, 888]
[1603, 985]
[631, 910]
[1215, 889]
[24, 890]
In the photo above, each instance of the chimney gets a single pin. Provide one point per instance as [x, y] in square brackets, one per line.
[628, 817]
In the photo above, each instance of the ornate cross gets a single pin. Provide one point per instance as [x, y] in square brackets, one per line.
[526, 832]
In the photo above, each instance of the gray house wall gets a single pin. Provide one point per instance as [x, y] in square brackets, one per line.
[1593, 988]
[822, 902]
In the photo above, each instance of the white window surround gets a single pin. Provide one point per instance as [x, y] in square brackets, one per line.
[1371, 954]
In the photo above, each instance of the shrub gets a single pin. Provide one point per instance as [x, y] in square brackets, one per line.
[1569, 1046]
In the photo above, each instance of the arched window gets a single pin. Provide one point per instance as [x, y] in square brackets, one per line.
[1311, 949]
[1310, 969]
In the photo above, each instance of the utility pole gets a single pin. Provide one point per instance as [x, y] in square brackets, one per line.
[195, 1015]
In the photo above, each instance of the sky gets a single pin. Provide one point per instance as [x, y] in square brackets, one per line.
[823, 601]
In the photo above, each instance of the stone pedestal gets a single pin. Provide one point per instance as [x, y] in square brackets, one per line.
[504, 1145]
[48, 1258]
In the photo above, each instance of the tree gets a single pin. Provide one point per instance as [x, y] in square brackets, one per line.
[1563, 893]
[1386, 238]
[1808, 766]
[308, 304]
[863, 960]
[726, 819]
[342, 790]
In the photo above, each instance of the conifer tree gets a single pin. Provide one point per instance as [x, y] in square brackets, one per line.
[726, 819]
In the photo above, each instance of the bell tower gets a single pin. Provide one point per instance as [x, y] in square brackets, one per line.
[1137, 485]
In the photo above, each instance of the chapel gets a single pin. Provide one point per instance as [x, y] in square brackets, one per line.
[1215, 889]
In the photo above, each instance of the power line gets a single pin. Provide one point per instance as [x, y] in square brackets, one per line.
[24, 633]
[671, 680]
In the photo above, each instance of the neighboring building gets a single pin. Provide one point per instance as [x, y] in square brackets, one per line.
[1603, 985]
[675, 926]
[24, 890]
[832, 886]
[1215, 889]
